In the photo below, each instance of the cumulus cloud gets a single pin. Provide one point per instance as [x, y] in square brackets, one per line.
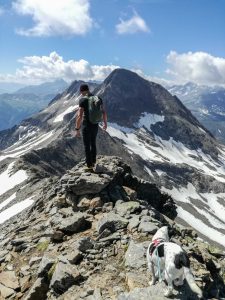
[38, 69]
[55, 17]
[132, 25]
[199, 67]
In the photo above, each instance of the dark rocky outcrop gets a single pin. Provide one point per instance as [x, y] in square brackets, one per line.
[91, 246]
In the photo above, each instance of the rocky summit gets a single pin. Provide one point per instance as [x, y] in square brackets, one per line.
[86, 235]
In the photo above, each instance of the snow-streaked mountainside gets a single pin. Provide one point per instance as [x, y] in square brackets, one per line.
[206, 103]
[148, 127]
[26, 101]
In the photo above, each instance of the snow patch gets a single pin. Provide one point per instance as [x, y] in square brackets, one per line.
[8, 182]
[200, 226]
[121, 128]
[211, 207]
[148, 171]
[7, 201]
[148, 119]
[15, 209]
[159, 172]
[26, 147]
[170, 151]
[60, 117]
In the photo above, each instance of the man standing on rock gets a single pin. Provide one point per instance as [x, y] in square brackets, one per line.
[91, 112]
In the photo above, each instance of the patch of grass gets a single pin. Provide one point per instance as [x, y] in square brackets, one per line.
[51, 271]
[42, 246]
[125, 247]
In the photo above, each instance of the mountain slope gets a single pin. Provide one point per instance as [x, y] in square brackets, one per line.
[149, 128]
[25, 102]
[206, 103]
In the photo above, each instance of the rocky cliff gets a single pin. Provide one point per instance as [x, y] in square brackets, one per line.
[86, 235]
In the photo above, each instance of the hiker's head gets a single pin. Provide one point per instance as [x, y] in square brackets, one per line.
[84, 89]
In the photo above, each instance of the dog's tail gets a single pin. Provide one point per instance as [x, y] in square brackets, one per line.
[191, 282]
[182, 261]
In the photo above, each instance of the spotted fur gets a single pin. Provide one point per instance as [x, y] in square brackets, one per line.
[174, 265]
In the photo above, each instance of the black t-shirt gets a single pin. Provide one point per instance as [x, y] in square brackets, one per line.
[84, 104]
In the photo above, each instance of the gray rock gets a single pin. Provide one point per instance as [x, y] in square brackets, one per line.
[64, 276]
[17, 242]
[97, 294]
[131, 193]
[112, 237]
[127, 207]
[3, 254]
[147, 227]
[53, 211]
[9, 279]
[34, 260]
[75, 223]
[74, 257]
[111, 221]
[6, 292]
[133, 223]
[146, 219]
[57, 236]
[90, 184]
[84, 244]
[156, 292]
[135, 256]
[66, 211]
[38, 290]
[25, 283]
[45, 265]
[25, 270]
[107, 207]
[153, 292]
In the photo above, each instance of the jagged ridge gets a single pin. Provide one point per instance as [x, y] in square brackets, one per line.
[86, 235]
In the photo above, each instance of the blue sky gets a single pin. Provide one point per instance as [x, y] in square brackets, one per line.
[175, 40]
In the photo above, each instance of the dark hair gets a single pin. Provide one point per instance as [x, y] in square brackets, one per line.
[84, 87]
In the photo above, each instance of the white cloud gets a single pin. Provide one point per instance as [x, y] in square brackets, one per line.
[1, 11]
[198, 67]
[133, 25]
[162, 81]
[55, 17]
[38, 69]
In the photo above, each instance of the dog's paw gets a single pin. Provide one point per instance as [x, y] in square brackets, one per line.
[178, 282]
[168, 293]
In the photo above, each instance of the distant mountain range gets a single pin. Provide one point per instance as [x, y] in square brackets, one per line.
[10, 87]
[14, 107]
[206, 103]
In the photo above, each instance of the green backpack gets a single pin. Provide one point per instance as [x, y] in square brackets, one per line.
[95, 109]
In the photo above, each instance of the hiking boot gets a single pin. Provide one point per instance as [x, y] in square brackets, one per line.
[89, 169]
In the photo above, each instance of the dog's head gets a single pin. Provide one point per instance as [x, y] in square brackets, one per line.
[161, 233]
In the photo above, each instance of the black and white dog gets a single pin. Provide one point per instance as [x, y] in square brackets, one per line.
[171, 263]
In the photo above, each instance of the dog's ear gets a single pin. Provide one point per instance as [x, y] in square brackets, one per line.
[171, 231]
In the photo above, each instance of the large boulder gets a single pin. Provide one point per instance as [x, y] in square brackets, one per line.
[111, 221]
[75, 223]
[124, 208]
[9, 279]
[38, 291]
[135, 256]
[64, 276]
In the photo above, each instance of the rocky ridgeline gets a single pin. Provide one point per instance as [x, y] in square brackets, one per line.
[86, 237]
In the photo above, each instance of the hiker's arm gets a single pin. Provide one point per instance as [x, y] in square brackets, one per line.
[79, 118]
[104, 116]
